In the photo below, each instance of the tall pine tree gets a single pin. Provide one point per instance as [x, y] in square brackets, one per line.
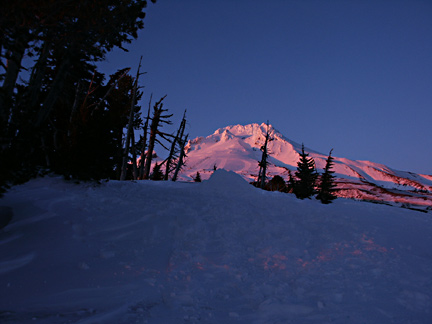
[306, 175]
[327, 186]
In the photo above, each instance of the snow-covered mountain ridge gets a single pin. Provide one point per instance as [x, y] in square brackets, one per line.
[237, 148]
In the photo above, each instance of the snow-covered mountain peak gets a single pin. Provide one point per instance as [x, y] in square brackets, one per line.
[253, 130]
[237, 148]
[252, 134]
[243, 130]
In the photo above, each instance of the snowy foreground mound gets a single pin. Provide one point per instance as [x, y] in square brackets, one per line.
[220, 251]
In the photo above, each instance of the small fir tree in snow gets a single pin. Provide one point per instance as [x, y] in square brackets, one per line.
[306, 175]
[327, 186]
[197, 177]
[157, 173]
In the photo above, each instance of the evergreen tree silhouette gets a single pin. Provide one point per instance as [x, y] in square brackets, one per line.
[157, 173]
[306, 176]
[327, 186]
[197, 177]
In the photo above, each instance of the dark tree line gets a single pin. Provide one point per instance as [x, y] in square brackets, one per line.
[305, 183]
[58, 113]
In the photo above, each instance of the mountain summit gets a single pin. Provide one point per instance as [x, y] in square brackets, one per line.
[237, 148]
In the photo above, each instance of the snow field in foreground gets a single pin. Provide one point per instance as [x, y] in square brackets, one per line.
[220, 251]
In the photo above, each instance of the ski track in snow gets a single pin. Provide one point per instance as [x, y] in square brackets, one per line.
[216, 252]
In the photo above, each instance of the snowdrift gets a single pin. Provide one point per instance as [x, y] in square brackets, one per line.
[220, 251]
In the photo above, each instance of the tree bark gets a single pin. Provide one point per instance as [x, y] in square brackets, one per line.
[144, 143]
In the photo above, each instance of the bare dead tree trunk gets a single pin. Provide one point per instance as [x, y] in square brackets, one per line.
[144, 143]
[263, 163]
[181, 158]
[176, 140]
[134, 158]
[130, 126]
[152, 140]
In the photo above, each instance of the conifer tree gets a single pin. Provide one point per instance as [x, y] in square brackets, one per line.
[197, 177]
[327, 186]
[306, 176]
[43, 120]
[90, 147]
[157, 173]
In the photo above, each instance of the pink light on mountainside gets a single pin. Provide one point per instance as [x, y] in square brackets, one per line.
[237, 148]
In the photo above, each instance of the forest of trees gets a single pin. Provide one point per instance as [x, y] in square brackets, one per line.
[57, 111]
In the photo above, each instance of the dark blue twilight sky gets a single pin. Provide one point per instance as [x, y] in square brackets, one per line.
[353, 75]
